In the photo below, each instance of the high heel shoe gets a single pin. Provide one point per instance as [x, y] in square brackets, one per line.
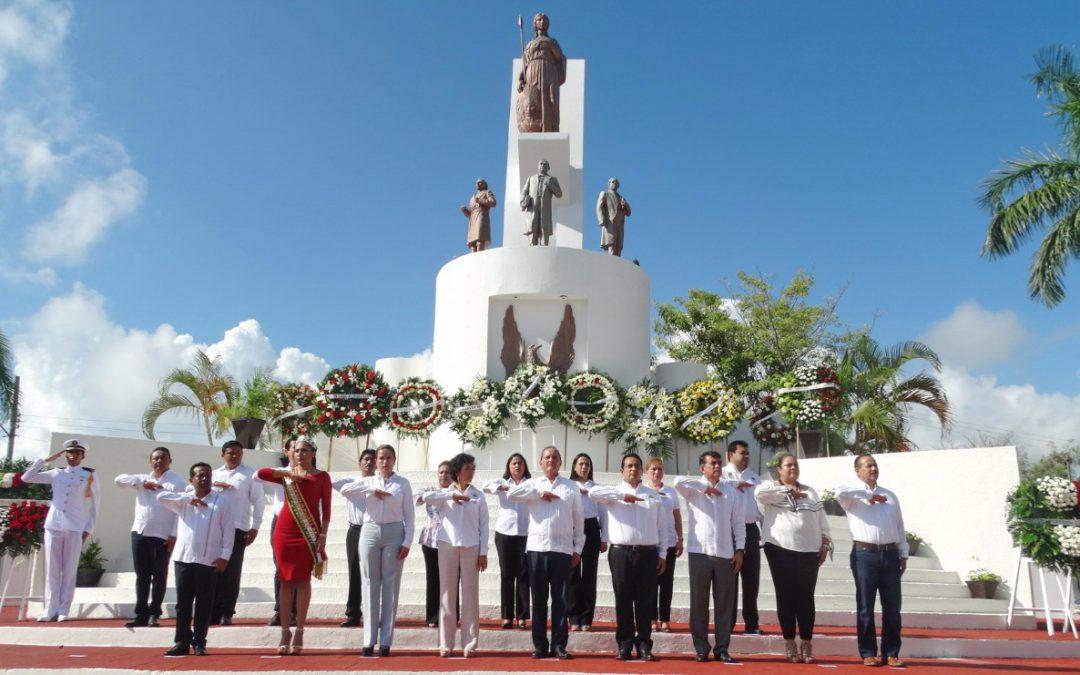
[297, 642]
[286, 638]
[792, 652]
[806, 651]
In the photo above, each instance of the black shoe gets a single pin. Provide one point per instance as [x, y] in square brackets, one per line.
[625, 655]
[274, 620]
[752, 631]
[226, 621]
[561, 653]
[137, 622]
[350, 623]
[178, 650]
[200, 650]
[155, 621]
[384, 650]
[724, 657]
[702, 658]
[648, 656]
[367, 651]
[540, 654]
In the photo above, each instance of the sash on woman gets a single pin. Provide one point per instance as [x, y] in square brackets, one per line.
[309, 528]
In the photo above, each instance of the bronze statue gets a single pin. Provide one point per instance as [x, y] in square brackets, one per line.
[536, 196]
[560, 355]
[480, 204]
[612, 209]
[543, 71]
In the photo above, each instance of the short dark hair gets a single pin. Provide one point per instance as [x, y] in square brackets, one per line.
[231, 444]
[631, 455]
[525, 474]
[709, 453]
[196, 465]
[573, 467]
[283, 461]
[161, 448]
[289, 443]
[859, 458]
[734, 444]
[386, 446]
[365, 453]
[459, 462]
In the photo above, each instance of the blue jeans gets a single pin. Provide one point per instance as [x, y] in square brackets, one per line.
[877, 572]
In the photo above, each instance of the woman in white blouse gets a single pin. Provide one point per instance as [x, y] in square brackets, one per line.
[511, 535]
[581, 591]
[384, 544]
[796, 536]
[463, 544]
[666, 581]
[429, 545]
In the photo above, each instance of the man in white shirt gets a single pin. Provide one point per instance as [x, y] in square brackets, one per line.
[153, 534]
[637, 532]
[879, 556]
[68, 525]
[556, 537]
[738, 470]
[204, 543]
[355, 505]
[245, 492]
[717, 537]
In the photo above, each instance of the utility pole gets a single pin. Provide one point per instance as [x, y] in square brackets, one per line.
[14, 419]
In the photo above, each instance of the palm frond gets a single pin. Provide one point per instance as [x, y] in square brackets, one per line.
[165, 403]
[1046, 283]
[902, 353]
[1013, 224]
[7, 377]
[927, 391]
[1056, 69]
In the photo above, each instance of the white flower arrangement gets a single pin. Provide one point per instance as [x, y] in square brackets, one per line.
[592, 402]
[477, 412]
[1068, 537]
[1060, 492]
[648, 419]
[534, 392]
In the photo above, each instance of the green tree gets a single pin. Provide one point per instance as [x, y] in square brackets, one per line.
[256, 400]
[880, 393]
[1060, 462]
[209, 391]
[7, 378]
[1040, 190]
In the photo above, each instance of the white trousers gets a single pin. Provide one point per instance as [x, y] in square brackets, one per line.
[62, 549]
[458, 563]
[380, 571]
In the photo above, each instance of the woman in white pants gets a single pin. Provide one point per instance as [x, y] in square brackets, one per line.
[384, 544]
[463, 543]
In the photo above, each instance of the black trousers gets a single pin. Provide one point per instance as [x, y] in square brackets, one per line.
[352, 558]
[549, 573]
[151, 574]
[431, 565]
[277, 577]
[581, 601]
[666, 585]
[513, 576]
[194, 591]
[750, 574]
[794, 574]
[633, 575]
[228, 582]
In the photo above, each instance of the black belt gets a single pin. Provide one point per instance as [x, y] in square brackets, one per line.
[354, 526]
[876, 548]
[628, 547]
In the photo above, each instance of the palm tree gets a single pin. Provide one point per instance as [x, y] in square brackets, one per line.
[257, 401]
[7, 378]
[881, 395]
[1038, 190]
[209, 391]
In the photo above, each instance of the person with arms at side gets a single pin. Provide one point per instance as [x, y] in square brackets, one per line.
[556, 537]
[879, 556]
[673, 521]
[355, 505]
[637, 530]
[429, 546]
[463, 545]
[511, 536]
[153, 535]
[581, 598]
[738, 470]
[389, 516]
[238, 482]
[717, 536]
[205, 536]
[797, 541]
[69, 524]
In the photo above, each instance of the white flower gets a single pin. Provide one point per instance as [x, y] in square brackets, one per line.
[1060, 492]
[1069, 538]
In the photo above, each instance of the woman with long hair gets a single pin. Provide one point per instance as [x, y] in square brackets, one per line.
[581, 591]
[429, 545]
[797, 541]
[511, 534]
[299, 539]
[654, 473]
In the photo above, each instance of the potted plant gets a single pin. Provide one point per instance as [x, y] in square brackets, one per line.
[983, 583]
[91, 565]
[832, 506]
[913, 542]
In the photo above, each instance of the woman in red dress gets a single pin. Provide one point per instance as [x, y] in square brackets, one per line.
[300, 536]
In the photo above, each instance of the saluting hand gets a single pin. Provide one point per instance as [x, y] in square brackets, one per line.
[459, 498]
[381, 494]
[150, 485]
[878, 499]
[504, 488]
[630, 499]
[223, 485]
[549, 496]
[196, 502]
[743, 485]
[713, 492]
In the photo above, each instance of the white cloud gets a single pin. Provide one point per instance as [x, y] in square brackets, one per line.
[80, 371]
[45, 276]
[31, 33]
[973, 337]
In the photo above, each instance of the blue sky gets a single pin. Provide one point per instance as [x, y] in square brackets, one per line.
[302, 164]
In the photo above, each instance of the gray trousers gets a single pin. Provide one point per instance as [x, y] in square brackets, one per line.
[381, 571]
[707, 572]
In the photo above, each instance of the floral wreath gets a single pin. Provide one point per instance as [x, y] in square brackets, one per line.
[22, 528]
[477, 413]
[1044, 521]
[767, 430]
[648, 420]
[709, 410]
[417, 407]
[290, 411]
[534, 392]
[592, 402]
[806, 407]
[351, 401]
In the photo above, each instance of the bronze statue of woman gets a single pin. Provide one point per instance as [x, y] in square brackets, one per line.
[543, 71]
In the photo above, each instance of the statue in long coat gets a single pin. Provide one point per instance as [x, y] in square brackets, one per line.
[536, 197]
[477, 211]
[612, 210]
[543, 71]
